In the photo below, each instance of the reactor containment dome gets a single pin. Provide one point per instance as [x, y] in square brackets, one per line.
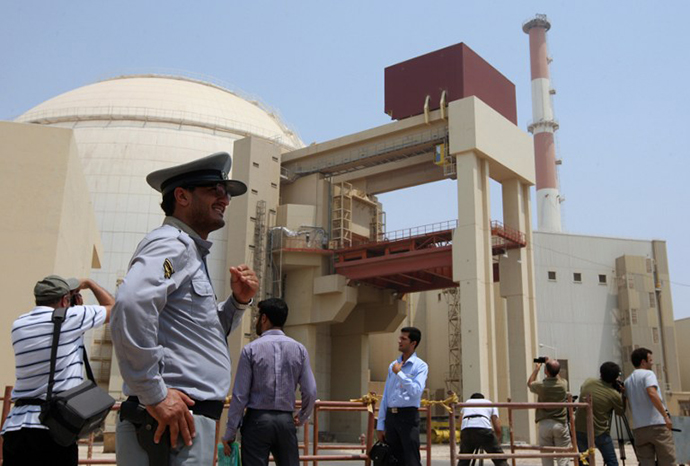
[129, 126]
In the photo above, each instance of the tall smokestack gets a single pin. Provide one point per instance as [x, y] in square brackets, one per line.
[543, 126]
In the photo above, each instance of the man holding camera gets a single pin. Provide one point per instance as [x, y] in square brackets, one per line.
[553, 425]
[606, 393]
[25, 439]
[651, 422]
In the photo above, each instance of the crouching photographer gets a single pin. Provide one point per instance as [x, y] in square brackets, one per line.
[606, 393]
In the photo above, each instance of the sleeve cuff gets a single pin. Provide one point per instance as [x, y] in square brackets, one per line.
[154, 395]
[238, 305]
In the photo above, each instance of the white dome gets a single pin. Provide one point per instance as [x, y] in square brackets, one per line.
[164, 99]
[128, 127]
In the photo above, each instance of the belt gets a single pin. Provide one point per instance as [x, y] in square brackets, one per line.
[29, 402]
[208, 408]
[403, 410]
[270, 411]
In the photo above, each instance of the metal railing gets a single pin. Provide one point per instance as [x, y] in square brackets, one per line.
[368, 405]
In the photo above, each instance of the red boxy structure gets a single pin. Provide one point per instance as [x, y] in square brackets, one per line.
[458, 70]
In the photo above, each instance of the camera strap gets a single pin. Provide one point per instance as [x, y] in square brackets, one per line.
[58, 318]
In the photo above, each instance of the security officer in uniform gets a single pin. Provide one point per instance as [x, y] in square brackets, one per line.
[168, 331]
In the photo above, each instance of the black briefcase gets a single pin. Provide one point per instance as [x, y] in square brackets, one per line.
[381, 455]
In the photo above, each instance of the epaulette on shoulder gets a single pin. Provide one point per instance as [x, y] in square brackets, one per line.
[164, 233]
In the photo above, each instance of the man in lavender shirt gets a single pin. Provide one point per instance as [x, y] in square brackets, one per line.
[268, 373]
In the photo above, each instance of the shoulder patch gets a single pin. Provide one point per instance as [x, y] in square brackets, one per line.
[168, 270]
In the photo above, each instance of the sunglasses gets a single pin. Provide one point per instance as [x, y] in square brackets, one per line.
[217, 189]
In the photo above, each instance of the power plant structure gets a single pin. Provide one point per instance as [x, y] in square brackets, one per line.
[488, 293]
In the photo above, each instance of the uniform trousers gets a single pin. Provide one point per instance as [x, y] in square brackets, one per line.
[402, 435]
[35, 447]
[267, 432]
[472, 438]
[130, 453]
[654, 443]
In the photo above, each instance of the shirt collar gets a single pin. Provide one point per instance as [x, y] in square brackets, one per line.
[412, 358]
[204, 245]
[273, 331]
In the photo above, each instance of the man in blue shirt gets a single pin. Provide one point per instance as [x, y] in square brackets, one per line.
[398, 422]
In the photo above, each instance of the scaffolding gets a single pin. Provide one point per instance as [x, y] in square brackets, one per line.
[342, 216]
[454, 376]
[377, 227]
[280, 240]
[259, 252]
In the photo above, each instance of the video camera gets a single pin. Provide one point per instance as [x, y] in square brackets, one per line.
[540, 359]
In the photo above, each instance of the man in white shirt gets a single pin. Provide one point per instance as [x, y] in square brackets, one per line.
[651, 422]
[480, 428]
[26, 440]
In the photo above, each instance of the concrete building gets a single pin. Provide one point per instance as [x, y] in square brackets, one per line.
[48, 221]
[683, 346]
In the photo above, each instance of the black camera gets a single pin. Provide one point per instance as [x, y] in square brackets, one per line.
[618, 385]
[73, 300]
[540, 359]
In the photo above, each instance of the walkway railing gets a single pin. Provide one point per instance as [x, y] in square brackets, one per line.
[368, 404]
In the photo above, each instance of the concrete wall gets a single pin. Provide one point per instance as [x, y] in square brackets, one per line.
[49, 225]
[683, 347]
[580, 319]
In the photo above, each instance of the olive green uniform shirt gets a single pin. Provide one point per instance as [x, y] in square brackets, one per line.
[551, 390]
[605, 399]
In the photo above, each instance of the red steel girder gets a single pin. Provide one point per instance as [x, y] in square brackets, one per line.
[391, 264]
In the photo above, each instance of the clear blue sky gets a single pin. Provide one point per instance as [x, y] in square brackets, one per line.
[620, 70]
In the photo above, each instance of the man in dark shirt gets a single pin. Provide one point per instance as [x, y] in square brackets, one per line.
[606, 398]
[268, 373]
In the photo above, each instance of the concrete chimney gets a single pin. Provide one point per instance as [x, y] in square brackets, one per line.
[543, 127]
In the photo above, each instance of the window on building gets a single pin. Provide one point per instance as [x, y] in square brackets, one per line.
[652, 299]
[273, 185]
[602, 279]
[256, 164]
[275, 159]
[633, 316]
[552, 275]
[577, 277]
[655, 335]
[254, 191]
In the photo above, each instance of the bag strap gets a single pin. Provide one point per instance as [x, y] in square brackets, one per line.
[58, 319]
[87, 366]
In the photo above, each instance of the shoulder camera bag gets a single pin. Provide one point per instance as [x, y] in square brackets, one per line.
[78, 411]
